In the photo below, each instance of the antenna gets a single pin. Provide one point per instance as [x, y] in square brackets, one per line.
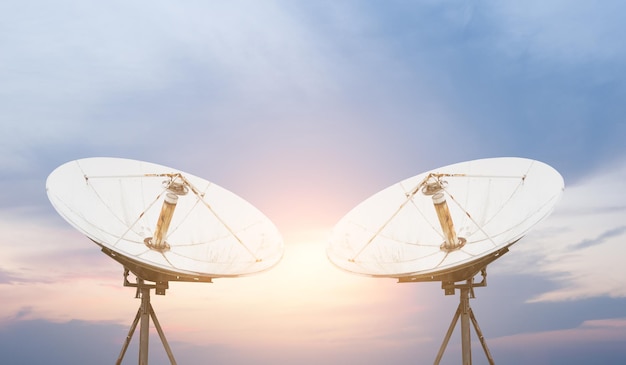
[162, 225]
[447, 225]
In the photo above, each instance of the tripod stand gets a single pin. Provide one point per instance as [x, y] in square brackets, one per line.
[144, 314]
[465, 313]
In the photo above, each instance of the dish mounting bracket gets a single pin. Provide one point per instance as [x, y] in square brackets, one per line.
[465, 314]
[144, 313]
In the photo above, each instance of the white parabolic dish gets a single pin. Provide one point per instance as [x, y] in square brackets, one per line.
[492, 204]
[117, 203]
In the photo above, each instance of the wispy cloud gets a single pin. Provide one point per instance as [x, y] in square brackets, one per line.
[602, 238]
[50, 268]
[6, 277]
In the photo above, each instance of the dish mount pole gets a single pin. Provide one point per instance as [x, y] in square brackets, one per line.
[143, 316]
[465, 313]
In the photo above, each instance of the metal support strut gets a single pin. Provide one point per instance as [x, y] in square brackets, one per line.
[144, 314]
[465, 313]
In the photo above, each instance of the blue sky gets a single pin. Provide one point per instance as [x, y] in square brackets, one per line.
[305, 109]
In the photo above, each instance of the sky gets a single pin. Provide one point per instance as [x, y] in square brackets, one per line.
[305, 109]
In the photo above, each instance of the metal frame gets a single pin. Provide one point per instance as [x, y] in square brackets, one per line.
[465, 313]
[160, 280]
[144, 313]
[462, 279]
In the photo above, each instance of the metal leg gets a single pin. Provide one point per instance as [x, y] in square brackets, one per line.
[144, 333]
[448, 335]
[481, 338]
[162, 335]
[128, 338]
[466, 336]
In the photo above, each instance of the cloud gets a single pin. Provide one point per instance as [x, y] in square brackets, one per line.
[49, 269]
[74, 342]
[602, 238]
[69, 343]
[106, 80]
[87, 342]
[95, 76]
[553, 32]
[580, 246]
[6, 277]
[593, 340]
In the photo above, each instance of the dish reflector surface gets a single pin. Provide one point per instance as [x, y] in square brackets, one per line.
[492, 203]
[118, 202]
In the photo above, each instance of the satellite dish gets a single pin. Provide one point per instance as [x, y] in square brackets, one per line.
[163, 225]
[446, 224]
[439, 222]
